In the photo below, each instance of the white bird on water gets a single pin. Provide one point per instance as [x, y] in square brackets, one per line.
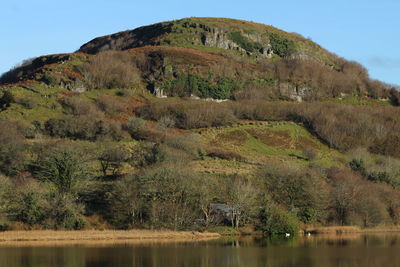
[287, 234]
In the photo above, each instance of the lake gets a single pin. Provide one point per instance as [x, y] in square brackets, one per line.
[347, 250]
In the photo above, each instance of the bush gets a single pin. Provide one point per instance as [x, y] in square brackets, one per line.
[244, 42]
[64, 213]
[110, 104]
[189, 143]
[76, 106]
[167, 122]
[6, 100]
[136, 127]
[110, 69]
[64, 170]
[111, 159]
[84, 127]
[29, 204]
[4, 226]
[280, 45]
[64, 167]
[274, 220]
[185, 85]
[12, 148]
[28, 102]
[5, 196]
[303, 192]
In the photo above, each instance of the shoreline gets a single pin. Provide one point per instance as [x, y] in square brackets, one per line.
[137, 236]
[53, 237]
[342, 230]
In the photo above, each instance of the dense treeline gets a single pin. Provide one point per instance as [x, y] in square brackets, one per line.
[64, 188]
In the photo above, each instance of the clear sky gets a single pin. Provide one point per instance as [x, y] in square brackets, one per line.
[367, 31]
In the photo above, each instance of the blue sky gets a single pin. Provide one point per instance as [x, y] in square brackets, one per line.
[365, 31]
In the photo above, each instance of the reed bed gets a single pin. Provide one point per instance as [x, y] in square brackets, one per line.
[39, 237]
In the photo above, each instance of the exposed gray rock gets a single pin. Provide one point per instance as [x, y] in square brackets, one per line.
[295, 93]
[159, 92]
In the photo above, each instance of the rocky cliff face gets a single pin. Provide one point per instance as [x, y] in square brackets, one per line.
[219, 38]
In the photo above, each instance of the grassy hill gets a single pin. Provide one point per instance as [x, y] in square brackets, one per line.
[247, 115]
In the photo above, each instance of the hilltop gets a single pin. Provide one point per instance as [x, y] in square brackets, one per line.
[153, 126]
[203, 56]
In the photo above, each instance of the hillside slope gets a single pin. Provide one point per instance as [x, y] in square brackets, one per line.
[152, 127]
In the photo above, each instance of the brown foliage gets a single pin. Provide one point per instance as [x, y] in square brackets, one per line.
[189, 114]
[12, 146]
[346, 127]
[357, 201]
[76, 106]
[110, 104]
[110, 70]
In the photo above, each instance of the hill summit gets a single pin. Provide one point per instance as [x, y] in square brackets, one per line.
[245, 37]
[208, 58]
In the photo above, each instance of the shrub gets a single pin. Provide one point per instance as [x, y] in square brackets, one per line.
[280, 45]
[29, 203]
[110, 69]
[28, 102]
[64, 213]
[12, 148]
[244, 42]
[84, 127]
[64, 168]
[303, 192]
[111, 159]
[136, 127]
[274, 220]
[6, 100]
[188, 143]
[167, 122]
[184, 85]
[5, 196]
[110, 104]
[76, 106]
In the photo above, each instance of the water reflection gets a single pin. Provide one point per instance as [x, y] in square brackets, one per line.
[323, 250]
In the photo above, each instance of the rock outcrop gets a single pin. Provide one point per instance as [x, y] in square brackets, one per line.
[198, 34]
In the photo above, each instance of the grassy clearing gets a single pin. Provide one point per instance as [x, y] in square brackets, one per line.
[260, 142]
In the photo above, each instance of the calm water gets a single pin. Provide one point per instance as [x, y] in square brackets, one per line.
[357, 250]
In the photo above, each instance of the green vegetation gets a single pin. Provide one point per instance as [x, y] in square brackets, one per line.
[244, 42]
[185, 85]
[280, 45]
